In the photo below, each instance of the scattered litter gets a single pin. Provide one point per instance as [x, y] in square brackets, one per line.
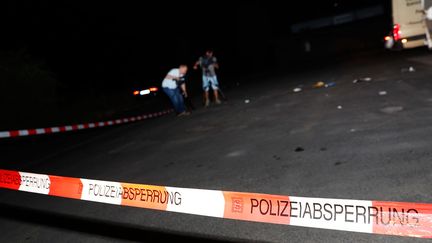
[353, 130]
[339, 163]
[365, 79]
[247, 101]
[392, 109]
[297, 90]
[382, 93]
[319, 84]
[339, 107]
[299, 149]
[410, 69]
[236, 153]
[331, 84]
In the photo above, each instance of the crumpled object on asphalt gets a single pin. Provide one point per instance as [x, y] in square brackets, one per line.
[319, 84]
[360, 80]
[330, 84]
[409, 69]
[392, 109]
[299, 149]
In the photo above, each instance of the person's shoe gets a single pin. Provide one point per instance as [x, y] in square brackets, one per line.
[207, 103]
[218, 101]
[184, 113]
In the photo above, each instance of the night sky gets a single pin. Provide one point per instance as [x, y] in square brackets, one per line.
[117, 44]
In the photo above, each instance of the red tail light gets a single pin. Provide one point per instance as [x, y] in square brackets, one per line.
[153, 89]
[136, 92]
[396, 32]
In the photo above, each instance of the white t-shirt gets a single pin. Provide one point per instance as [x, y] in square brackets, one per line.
[171, 83]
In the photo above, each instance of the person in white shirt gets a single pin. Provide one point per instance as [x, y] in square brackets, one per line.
[171, 88]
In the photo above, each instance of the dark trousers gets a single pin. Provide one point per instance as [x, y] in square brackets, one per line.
[176, 99]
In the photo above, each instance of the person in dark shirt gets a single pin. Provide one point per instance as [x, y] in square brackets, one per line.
[209, 64]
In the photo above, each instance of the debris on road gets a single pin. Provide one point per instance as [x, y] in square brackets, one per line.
[247, 101]
[330, 84]
[339, 107]
[392, 109]
[339, 163]
[299, 149]
[353, 130]
[296, 90]
[382, 93]
[365, 79]
[319, 84]
[410, 69]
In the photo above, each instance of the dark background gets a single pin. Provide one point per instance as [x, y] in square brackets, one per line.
[58, 52]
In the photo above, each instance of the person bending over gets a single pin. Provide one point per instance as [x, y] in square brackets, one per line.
[173, 88]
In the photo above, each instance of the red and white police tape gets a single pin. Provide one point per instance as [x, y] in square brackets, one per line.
[377, 217]
[48, 130]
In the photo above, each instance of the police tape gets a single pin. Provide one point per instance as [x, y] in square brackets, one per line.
[376, 217]
[76, 127]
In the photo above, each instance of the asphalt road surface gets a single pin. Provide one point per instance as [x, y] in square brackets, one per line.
[357, 144]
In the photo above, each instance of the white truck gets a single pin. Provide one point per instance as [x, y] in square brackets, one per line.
[412, 24]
